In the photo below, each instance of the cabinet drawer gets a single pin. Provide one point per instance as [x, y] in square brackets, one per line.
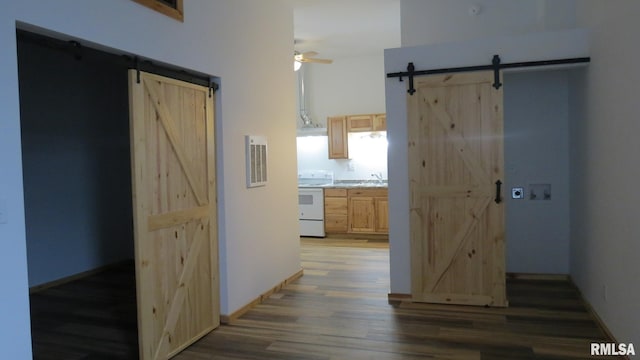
[368, 192]
[335, 224]
[335, 206]
[335, 192]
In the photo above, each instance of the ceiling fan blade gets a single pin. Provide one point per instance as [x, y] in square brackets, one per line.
[320, 61]
[308, 56]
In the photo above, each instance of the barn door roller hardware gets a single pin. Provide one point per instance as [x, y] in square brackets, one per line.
[213, 87]
[496, 66]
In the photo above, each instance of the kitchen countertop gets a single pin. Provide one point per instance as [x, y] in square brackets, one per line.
[350, 184]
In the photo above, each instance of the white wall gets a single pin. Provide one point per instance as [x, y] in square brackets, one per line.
[605, 148]
[533, 46]
[352, 85]
[536, 151]
[367, 156]
[439, 21]
[259, 247]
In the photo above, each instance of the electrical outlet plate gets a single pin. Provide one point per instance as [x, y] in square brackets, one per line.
[517, 193]
[540, 191]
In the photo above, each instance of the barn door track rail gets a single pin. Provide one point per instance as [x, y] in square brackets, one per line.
[86, 53]
[496, 65]
[175, 73]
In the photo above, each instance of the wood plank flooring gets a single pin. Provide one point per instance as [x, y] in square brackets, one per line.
[337, 310]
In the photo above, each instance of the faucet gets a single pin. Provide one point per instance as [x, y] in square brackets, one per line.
[378, 176]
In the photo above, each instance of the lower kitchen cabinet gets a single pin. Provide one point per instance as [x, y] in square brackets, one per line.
[357, 211]
[382, 214]
[362, 214]
[335, 211]
[368, 211]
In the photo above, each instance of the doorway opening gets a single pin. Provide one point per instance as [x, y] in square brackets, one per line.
[90, 299]
[77, 185]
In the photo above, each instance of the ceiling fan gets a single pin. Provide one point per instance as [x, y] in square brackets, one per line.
[307, 57]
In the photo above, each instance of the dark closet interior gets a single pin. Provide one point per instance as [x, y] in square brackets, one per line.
[77, 188]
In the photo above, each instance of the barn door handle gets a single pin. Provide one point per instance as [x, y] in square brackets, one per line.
[498, 192]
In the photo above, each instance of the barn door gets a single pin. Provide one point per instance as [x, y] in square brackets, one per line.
[457, 214]
[172, 147]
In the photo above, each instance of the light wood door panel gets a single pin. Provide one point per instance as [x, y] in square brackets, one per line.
[455, 158]
[175, 226]
[337, 135]
[356, 123]
[380, 122]
[361, 214]
[382, 215]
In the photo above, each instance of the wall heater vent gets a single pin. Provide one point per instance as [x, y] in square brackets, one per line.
[256, 149]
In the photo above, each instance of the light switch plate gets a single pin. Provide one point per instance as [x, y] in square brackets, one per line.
[517, 193]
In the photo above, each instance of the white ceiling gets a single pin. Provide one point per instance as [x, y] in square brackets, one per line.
[346, 28]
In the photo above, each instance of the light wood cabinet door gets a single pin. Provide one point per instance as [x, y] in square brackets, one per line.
[380, 122]
[368, 211]
[357, 123]
[337, 135]
[382, 215]
[361, 214]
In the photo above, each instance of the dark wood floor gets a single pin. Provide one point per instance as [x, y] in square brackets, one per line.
[337, 310]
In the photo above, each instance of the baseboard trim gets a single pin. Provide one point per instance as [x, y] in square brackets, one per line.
[359, 236]
[396, 298]
[74, 277]
[535, 276]
[231, 318]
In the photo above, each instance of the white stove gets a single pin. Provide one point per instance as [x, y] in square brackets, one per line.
[311, 201]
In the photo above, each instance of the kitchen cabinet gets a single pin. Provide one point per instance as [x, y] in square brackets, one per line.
[362, 214]
[366, 122]
[379, 122]
[382, 214]
[338, 128]
[335, 210]
[358, 123]
[337, 135]
[368, 211]
[356, 210]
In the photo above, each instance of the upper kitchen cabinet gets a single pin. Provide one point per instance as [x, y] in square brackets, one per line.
[338, 128]
[366, 122]
[337, 134]
[379, 122]
[357, 123]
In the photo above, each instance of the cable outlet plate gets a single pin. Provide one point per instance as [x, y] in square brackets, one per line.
[517, 193]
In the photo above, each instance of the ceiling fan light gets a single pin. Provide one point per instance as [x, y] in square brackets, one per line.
[296, 65]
